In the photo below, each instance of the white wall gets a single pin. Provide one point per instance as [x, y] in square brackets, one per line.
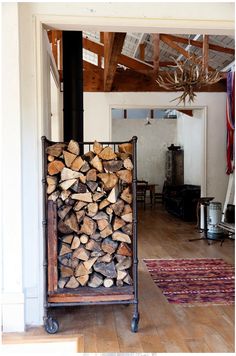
[100, 112]
[26, 116]
[152, 144]
[190, 137]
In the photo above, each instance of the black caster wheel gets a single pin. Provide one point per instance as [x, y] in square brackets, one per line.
[51, 326]
[134, 325]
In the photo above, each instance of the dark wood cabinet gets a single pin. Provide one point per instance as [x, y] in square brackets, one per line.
[175, 167]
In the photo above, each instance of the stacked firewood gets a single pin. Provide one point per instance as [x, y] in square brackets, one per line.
[93, 195]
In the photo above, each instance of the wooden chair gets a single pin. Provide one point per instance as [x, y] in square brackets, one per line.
[141, 192]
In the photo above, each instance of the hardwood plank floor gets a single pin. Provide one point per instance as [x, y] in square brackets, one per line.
[163, 327]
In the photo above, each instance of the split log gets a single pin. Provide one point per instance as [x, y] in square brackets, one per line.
[106, 258]
[122, 155]
[109, 246]
[119, 283]
[112, 197]
[124, 250]
[124, 264]
[74, 263]
[97, 163]
[107, 154]
[118, 223]
[120, 236]
[62, 282]
[55, 167]
[98, 195]
[50, 158]
[65, 194]
[126, 195]
[76, 243]
[84, 239]
[92, 209]
[77, 164]
[118, 207]
[71, 222]
[85, 168]
[82, 178]
[54, 195]
[97, 147]
[66, 271]
[68, 239]
[127, 217]
[64, 250]
[81, 253]
[72, 283]
[103, 204]
[128, 164]
[73, 147]
[81, 270]
[128, 279]
[126, 148]
[102, 224]
[88, 156]
[64, 229]
[51, 184]
[95, 281]
[127, 209]
[96, 236]
[80, 215]
[68, 158]
[56, 149]
[89, 226]
[109, 211]
[68, 173]
[113, 166]
[91, 175]
[97, 254]
[69, 201]
[79, 205]
[100, 215]
[93, 245]
[108, 282]
[125, 175]
[106, 269]
[85, 197]
[121, 274]
[83, 280]
[67, 184]
[65, 261]
[92, 186]
[59, 203]
[109, 180]
[63, 211]
[79, 187]
[89, 264]
[107, 231]
[127, 229]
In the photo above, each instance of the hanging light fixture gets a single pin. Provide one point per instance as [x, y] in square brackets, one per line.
[188, 76]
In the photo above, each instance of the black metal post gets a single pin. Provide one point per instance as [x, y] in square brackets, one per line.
[73, 85]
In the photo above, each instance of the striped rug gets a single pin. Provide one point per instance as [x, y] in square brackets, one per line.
[194, 281]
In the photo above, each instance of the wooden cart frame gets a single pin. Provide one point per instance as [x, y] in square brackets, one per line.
[55, 297]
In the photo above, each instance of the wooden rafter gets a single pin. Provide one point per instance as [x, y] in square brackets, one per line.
[142, 51]
[113, 44]
[156, 52]
[205, 52]
[200, 43]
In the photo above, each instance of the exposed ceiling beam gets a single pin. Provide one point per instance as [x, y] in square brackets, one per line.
[205, 52]
[113, 44]
[189, 45]
[156, 52]
[175, 46]
[141, 40]
[122, 59]
[142, 51]
[196, 43]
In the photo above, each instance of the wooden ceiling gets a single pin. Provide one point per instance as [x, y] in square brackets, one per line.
[108, 67]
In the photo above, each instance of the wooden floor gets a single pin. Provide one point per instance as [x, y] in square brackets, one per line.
[163, 327]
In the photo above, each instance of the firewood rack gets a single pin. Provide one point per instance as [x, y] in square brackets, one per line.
[55, 297]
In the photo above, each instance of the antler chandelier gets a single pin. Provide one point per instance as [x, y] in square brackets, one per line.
[188, 76]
